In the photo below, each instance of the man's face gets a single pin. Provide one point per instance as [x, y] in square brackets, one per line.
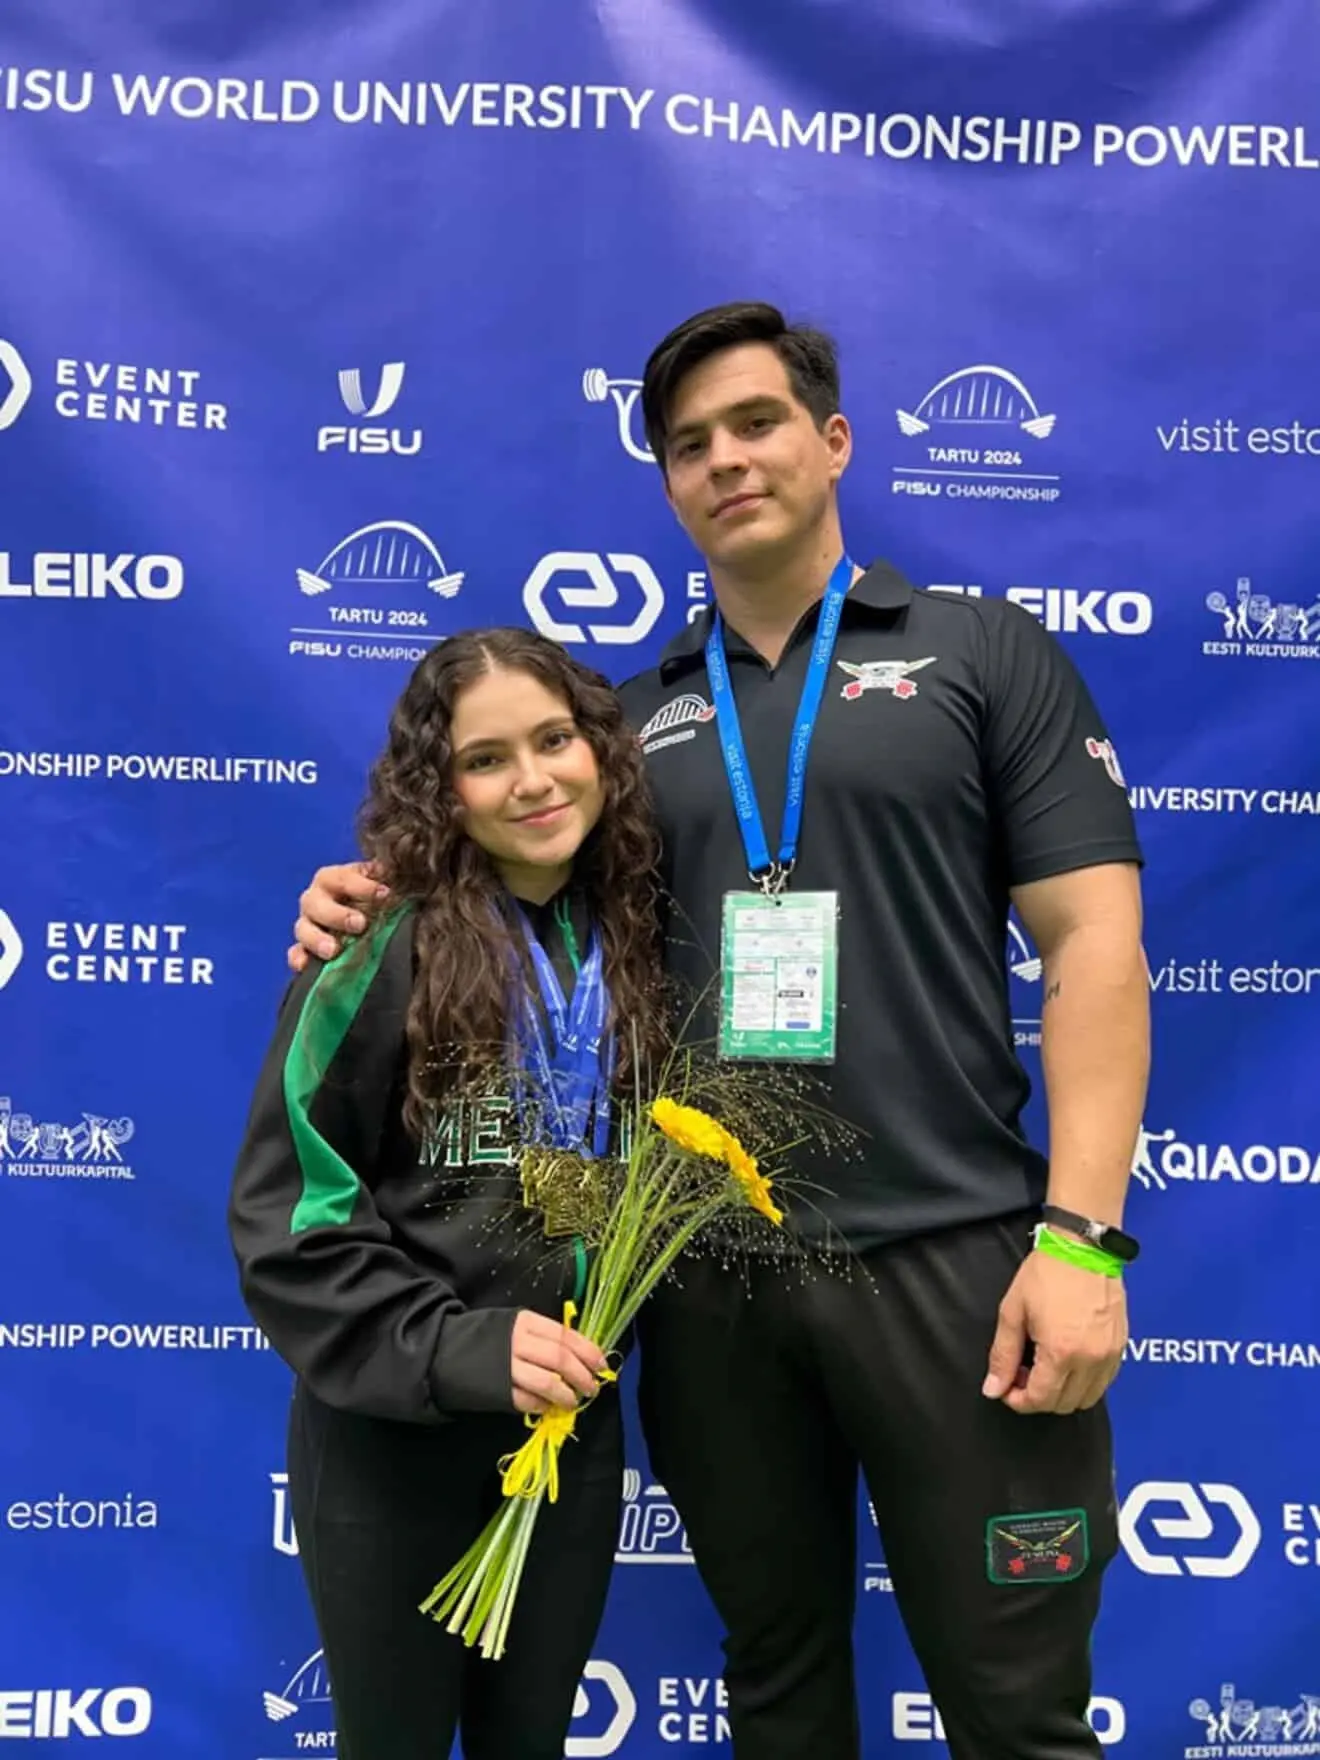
[747, 470]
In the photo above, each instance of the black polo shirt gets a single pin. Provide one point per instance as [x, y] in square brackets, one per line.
[957, 754]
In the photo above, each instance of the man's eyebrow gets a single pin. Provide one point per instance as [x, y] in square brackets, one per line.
[763, 400]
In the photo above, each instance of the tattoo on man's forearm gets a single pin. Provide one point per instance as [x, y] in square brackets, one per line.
[1052, 992]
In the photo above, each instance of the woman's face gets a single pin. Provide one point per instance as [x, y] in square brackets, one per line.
[528, 781]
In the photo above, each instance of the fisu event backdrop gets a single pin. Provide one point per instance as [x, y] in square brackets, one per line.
[320, 333]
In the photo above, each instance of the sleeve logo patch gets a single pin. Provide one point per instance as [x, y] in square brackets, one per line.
[1103, 750]
[1048, 1546]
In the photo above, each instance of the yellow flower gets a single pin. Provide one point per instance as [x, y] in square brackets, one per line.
[755, 1185]
[700, 1134]
[691, 1129]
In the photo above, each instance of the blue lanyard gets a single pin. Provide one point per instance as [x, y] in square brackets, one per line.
[772, 875]
[571, 1070]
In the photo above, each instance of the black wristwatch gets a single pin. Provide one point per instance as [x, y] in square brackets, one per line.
[1099, 1234]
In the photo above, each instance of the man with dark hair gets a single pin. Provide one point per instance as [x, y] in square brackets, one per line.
[807, 355]
[855, 780]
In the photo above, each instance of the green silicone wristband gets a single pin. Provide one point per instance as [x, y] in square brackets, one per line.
[1079, 1253]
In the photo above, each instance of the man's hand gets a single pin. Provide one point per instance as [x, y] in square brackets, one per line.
[1077, 1321]
[337, 903]
[552, 1364]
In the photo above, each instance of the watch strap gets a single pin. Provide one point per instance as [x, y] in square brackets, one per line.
[1100, 1234]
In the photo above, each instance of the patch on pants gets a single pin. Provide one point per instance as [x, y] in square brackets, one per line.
[1045, 1546]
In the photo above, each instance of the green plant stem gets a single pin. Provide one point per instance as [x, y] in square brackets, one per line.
[497, 1627]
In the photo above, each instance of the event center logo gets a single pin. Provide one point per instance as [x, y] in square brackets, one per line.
[1240, 1726]
[1255, 626]
[581, 580]
[979, 430]
[16, 384]
[626, 396]
[361, 438]
[11, 948]
[35, 1149]
[604, 1710]
[119, 392]
[1217, 1521]
[374, 583]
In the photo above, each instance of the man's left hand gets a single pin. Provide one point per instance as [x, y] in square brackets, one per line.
[1077, 1321]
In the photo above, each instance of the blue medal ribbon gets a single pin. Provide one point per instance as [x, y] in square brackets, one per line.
[568, 1069]
[771, 874]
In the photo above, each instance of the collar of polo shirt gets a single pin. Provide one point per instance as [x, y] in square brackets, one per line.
[880, 588]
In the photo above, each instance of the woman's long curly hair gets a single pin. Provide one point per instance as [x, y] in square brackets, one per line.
[411, 827]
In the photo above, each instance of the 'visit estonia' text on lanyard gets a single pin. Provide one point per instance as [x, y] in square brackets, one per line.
[779, 950]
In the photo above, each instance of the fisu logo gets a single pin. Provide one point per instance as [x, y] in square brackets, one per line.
[368, 441]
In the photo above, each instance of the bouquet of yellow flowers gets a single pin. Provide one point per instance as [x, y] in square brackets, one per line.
[683, 1172]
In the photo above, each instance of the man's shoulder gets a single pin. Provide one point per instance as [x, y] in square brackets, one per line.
[641, 694]
[990, 628]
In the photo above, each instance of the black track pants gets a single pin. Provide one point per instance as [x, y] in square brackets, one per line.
[759, 1407]
[382, 1510]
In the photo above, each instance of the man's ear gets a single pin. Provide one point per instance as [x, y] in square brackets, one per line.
[838, 439]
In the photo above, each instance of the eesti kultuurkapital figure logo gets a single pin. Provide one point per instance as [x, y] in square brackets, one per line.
[1239, 1726]
[977, 435]
[39, 1149]
[1258, 627]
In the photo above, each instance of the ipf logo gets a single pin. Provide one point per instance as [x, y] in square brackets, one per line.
[651, 1530]
[598, 387]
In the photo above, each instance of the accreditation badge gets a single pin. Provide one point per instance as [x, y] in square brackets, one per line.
[779, 972]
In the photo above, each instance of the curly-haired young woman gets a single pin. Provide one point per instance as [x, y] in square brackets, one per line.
[374, 1211]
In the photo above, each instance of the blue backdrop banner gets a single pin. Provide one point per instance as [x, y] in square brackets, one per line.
[321, 328]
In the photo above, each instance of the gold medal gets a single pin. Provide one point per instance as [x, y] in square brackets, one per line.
[569, 1190]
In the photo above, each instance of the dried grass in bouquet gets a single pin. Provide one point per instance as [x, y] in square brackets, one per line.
[684, 1178]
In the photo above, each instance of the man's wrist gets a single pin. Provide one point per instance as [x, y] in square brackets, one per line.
[1091, 1231]
[1071, 1250]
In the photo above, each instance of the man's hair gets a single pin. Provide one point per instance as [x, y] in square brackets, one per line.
[809, 358]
